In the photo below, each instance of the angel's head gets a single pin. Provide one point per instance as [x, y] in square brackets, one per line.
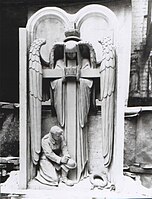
[71, 49]
[71, 55]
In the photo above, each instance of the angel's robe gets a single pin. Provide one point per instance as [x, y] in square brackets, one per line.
[72, 103]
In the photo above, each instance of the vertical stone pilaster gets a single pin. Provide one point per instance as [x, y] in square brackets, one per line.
[23, 108]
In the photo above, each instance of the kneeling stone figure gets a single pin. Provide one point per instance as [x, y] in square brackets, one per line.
[55, 157]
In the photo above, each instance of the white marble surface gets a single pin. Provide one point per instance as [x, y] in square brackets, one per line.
[129, 188]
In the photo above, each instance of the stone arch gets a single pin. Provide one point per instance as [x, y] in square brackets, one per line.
[40, 26]
[99, 22]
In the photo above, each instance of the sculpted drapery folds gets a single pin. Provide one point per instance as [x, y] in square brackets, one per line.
[71, 96]
[71, 62]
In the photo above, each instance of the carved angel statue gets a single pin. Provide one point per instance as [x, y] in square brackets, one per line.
[72, 96]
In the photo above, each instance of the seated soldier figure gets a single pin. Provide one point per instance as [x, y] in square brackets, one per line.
[55, 157]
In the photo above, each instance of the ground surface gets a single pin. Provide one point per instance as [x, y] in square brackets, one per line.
[128, 189]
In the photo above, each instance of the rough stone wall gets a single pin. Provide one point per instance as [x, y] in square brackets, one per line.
[138, 129]
[139, 71]
[130, 140]
[138, 148]
[144, 139]
[139, 23]
[9, 133]
[138, 136]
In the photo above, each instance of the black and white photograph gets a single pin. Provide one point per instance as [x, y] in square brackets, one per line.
[75, 99]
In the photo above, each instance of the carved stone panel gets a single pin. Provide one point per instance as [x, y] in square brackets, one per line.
[72, 87]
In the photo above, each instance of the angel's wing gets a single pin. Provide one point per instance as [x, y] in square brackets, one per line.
[87, 51]
[107, 89]
[57, 52]
[35, 97]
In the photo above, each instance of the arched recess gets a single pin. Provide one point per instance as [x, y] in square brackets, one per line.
[49, 23]
[96, 22]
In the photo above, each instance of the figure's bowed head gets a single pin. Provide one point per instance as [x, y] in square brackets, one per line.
[56, 132]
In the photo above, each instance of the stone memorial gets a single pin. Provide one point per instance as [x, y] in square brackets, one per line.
[73, 62]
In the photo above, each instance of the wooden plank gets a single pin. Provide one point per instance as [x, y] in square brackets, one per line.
[23, 108]
[137, 109]
[139, 169]
[57, 73]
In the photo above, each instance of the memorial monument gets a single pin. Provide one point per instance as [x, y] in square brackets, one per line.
[72, 60]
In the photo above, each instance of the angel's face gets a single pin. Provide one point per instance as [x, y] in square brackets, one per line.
[71, 55]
